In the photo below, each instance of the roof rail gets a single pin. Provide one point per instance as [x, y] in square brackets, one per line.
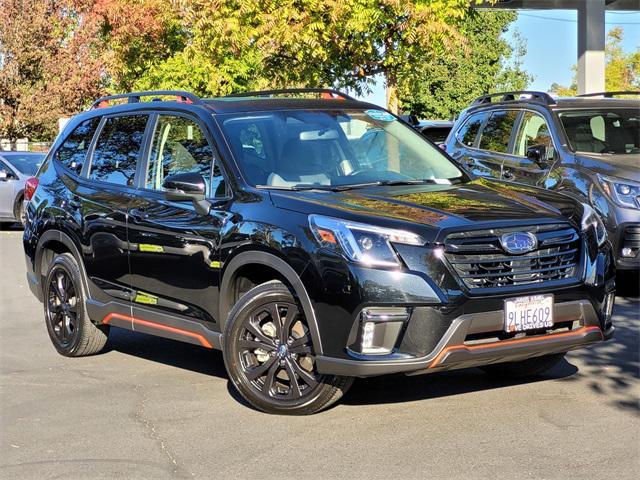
[609, 94]
[331, 93]
[134, 97]
[541, 97]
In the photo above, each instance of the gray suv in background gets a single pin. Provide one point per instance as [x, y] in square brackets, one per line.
[586, 146]
[15, 169]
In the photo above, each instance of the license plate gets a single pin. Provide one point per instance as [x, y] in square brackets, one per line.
[528, 313]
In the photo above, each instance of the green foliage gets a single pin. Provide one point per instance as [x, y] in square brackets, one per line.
[622, 69]
[245, 44]
[484, 63]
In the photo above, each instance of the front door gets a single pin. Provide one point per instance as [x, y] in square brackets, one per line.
[532, 132]
[174, 246]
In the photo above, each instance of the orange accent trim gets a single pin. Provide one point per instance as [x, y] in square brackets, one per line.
[578, 332]
[203, 341]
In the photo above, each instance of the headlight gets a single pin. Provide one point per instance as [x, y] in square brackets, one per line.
[623, 192]
[359, 242]
[590, 219]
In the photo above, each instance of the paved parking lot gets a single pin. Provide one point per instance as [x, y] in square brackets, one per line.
[153, 408]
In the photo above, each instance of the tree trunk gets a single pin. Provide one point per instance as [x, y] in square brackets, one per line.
[392, 92]
[393, 148]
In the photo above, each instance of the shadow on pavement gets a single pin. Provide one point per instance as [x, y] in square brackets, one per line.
[169, 352]
[611, 368]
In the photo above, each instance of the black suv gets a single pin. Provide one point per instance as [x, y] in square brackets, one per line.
[585, 146]
[259, 225]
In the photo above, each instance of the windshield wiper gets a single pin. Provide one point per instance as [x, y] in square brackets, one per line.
[331, 188]
[351, 186]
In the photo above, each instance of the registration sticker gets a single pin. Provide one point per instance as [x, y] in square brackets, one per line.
[380, 115]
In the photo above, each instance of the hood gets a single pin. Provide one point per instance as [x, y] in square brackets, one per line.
[478, 202]
[625, 166]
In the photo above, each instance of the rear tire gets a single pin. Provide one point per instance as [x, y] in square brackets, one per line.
[525, 368]
[269, 356]
[70, 329]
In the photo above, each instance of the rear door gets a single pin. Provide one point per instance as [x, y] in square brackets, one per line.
[495, 143]
[464, 145]
[104, 200]
[532, 131]
[174, 255]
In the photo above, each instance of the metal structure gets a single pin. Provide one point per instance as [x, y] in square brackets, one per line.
[591, 32]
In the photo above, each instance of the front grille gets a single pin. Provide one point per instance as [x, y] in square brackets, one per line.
[481, 262]
[631, 237]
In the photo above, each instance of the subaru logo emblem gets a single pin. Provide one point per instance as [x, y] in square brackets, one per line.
[518, 242]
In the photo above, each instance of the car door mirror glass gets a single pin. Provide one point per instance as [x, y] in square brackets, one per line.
[4, 176]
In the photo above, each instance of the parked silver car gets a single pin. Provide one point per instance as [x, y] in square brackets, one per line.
[15, 169]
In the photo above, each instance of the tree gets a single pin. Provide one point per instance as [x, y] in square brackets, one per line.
[239, 44]
[622, 69]
[485, 63]
[58, 55]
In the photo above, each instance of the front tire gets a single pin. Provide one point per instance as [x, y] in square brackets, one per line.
[525, 368]
[70, 329]
[269, 356]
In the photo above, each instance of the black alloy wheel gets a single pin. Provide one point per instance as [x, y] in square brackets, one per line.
[71, 331]
[269, 354]
[275, 351]
[61, 307]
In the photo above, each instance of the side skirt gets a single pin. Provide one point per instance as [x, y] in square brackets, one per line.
[154, 323]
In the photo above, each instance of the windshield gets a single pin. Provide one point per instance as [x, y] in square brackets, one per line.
[25, 164]
[297, 148]
[603, 131]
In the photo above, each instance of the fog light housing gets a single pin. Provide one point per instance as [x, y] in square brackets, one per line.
[379, 329]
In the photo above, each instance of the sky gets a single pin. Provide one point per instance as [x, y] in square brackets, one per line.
[552, 42]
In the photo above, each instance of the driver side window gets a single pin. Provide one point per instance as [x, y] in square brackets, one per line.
[533, 132]
[180, 146]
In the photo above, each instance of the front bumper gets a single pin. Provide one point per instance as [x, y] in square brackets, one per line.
[576, 325]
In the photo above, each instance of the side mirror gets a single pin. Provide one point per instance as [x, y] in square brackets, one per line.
[188, 186]
[3, 176]
[540, 155]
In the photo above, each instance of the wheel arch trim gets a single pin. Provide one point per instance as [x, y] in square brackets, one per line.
[61, 237]
[282, 267]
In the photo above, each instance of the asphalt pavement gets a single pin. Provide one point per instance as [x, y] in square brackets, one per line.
[150, 408]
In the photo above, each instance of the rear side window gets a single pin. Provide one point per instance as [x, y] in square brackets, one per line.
[178, 146]
[73, 152]
[468, 132]
[497, 131]
[117, 149]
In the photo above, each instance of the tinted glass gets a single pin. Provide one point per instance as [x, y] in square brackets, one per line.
[497, 131]
[533, 132]
[331, 147]
[116, 153]
[27, 164]
[468, 132]
[73, 152]
[615, 130]
[178, 146]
